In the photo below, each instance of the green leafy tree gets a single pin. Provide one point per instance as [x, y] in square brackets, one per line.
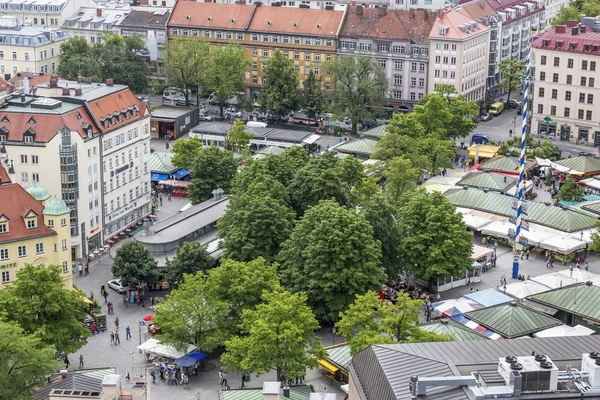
[134, 264]
[332, 256]
[24, 362]
[393, 145]
[462, 111]
[39, 303]
[76, 59]
[351, 171]
[238, 138]
[436, 154]
[185, 60]
[279, 94]
[213, 168]
[288, 163]
[434, 241]
[313, 102]
[278, 335]
[371, 321]
[595, 246]
[189, 315]
[224, 73]
[185, 152]
[401, 176]
[512, 74]
[189, 259]
[434, 115]
[359, 82]
[570, 190]
[575, 10]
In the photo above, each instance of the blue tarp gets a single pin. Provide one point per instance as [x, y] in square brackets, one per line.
[190, 359]
[158, 177]
[489, 297]
[181, 173]
[196, 355]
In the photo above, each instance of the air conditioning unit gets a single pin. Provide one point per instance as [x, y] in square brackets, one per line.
[590, 365]
[538, 373]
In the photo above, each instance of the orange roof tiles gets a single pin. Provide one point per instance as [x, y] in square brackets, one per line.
[116, 103]
[478, 9]
[452, 20]
[36, 79]
[4, 177]
[587, 42]
[211, 15]
[413, 25]
[15, 203]
[296, 21]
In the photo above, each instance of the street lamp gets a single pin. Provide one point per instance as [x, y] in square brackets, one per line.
[334, 330]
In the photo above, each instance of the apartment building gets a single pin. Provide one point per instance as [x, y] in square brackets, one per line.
[42, 13]
[307, 37]
[33, 230]
[552, 8]
[402, 48]
[27, 48]
[567, 64]
[458, 48]
[88, 142]
[91, 22]
[341, 5]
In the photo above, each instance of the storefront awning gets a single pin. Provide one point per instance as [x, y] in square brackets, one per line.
[158, 177]
[180, 173]
[327, 366]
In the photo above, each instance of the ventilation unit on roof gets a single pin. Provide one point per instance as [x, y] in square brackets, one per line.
[590, 365]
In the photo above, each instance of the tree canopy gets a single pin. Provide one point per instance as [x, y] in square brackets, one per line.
[238, 138]
[134, 264]
[39, 303]
[570, 190]
[185, 60]
[512, 75]
[212, 168]
[189, 259]
[278, 335]
[575, 10]
[279, 94]
[224, 73]
[332, 256]
[313, 101]
[185, 152]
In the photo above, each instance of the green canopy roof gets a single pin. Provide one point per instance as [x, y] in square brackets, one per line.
[593, 208]
[363, 147]
[453, 328]
[38, 192]
[54, 206]
[585, 164]
[505, 164]
[274, 150]
[339, 355]
[301, 392]
[160, 162]
[376, 132]
[488, 180]
[562, 219]
[581, 299]
[512, 320]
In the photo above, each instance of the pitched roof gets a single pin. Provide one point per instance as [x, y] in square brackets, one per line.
[582, 299]
[115, 103]
[376, 132]
[505, 164]
[452, 328]
[271, 150]
[4, 177]
[502, 5]
[211, 15]
[36, 79]
[413, 25]
[16, 203]
[358, 146]
[512, 320]
[450, 25]
[88, 380]
[488, 180]
[146, 19]
[478, 9]
[160, 162]
[339, 355]
[297, 21]
[585, 164]
[300, 392]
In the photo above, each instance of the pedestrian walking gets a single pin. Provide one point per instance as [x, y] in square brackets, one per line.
[105, 294]
[186, 382]
[153, 375]
[586, 266]
[151, 300]
[94, 328]
[127, 333]
[80, 361]
[80, 268]
[527, 255]
[174, 378]
[117, 339]
[169, 196]
[87, 270]
[127, 376]
[117, 322]
[112, 338]
[67, 362]
[224, 379]
[198, 396]
[111, 308]
[220, 377]
[92, 295]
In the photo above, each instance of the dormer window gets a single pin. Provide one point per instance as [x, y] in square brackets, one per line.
[2, 138]
[5, 119]
[31, 121]
[558, 45]
[31, 223]
[105, 123]
[134, 112]
[3, 224]
[127, 115]
[28, 139]
[113, 120]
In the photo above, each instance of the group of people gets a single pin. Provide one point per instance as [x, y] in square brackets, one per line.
[83, 269]
[172, 375]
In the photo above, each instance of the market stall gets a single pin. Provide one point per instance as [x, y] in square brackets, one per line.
[177, 188]
[565, 330]
[563, 244]
[153, 346]
[553, 280]
[521, 289]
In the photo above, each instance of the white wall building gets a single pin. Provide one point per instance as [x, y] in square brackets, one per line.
[90, 22]
[42, 13]
[342, 4]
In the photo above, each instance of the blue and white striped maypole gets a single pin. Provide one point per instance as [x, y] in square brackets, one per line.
[520, 201]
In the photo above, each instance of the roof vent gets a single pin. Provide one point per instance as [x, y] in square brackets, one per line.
[269, 23]
[295, 24]
[516, 366]
[188, 17]
[510, 359]
[209, 19]
[233, 20]
[318, 26]
[546, 365]
[595, 355]
[540, 358]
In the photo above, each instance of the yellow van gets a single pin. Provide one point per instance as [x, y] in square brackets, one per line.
[496, 108]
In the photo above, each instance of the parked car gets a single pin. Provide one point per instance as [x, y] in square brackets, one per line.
[486, 117]
[480, 138]
[512, 103]
[204, 117]
[232, 112]
[115, 284]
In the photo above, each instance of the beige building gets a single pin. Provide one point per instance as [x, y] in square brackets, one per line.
[91, 22]
[567, 64]
[458, 48]
[41, 13]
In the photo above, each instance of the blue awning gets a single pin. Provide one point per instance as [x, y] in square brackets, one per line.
[181, 173]
[158, 177]
[196, 355]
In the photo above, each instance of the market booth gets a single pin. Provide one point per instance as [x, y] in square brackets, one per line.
[178, 188]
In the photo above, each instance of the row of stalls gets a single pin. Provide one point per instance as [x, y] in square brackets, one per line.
[168, 358]
[167, 178]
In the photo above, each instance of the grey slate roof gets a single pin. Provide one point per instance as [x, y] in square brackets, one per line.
[580, 299]
[77, 380]
[488, 180]
[364, 147]
[376, 132]
[300, 392]
[453, 328]
[384, 370]
[160, 162]
[141, 19]
[172, 112]
[30, 36]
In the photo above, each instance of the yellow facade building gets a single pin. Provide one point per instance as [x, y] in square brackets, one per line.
[34, 229]
[307, 36]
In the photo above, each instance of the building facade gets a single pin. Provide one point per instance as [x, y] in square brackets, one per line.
[342, 4]
[34, 230]
[91, 22]
[27, 48]
[307, 37]
[42, 13]
[402, 49]
[567, 62]
[458, 51]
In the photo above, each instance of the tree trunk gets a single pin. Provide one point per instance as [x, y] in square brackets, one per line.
[508, 95]
[278, 374]
[354, 126]
[221, 109]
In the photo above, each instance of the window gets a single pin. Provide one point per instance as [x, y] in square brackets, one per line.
[556, 61]
[541, 92]
[382, 62]
[568, 95]
[580, 114]
[543, 60]
[64, 244]
[23, 158]
[570, 63]
[421, 67]
[554, 93]
[317, 57]
[588, 115]
[413, 67]
[552, 110]
[592, 65]
[582, 97]
[65, 266]
[22, 251]
[296, 56]
[590, 99]
[584, 64]
[413, 97]
[254, 52]
[436, 73]
[583, 80]
[397, 79]
[413, 82]
[397, 94]
[39, 248]
[591, 82]
[254, 67]
[452, 60]
[567, 112]
[569, 79]
[398, 65]
[542, 76]
[5, 276]
[63, 222]
[3, 228]
[31, 223]
[306, 70]
[421, 82]
[555, 77]
[383, 47]
[51, 223]
[265, 53]
[540, 108]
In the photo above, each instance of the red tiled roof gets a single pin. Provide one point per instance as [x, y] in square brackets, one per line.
[116, 103]
[220, 15]
[299, 21]
[394, 25]
[452, 19]
[478, 9]
[502, 5]
[570, 43]
[46, 126]
[36, 79]
[4, 177]
[16, 202]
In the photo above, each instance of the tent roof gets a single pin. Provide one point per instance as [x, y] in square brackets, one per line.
[505, 164]
[489, 297]
[512, 320]
[271, 150]
[565, 330]
[154, 346]
[376, 132]
[453, 328]
[553, 280]
[585, 164]
[160, 162]
[487, 180]
[483, 151]
[582, 299]
[339, 355]
[358, 146]
[522, 289]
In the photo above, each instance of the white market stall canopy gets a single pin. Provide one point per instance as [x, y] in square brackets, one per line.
[553, 280]
[481, 251]
[565, 330]
[522, 289]
[563, 244]
[154, 346]
[474, 221]
[591, 182]
[586, 237]
[497, 229]
[580, 275]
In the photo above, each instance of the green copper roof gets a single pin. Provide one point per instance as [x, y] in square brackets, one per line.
[488, 180]
[363, 147]
[271, 150]
[505, 164]
[339, 355]
[585, 164]
[454, 329]
[376, 132]
[581, 299]
[512, 320]
[38, 192]
[160, 162]
[55, 206]
[301, 392]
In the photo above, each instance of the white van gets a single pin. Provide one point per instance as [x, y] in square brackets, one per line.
[256, 124]
[173, 94]
[303, 119]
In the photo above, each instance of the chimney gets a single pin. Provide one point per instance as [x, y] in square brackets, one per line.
[53, 81]
[571, 23]
[411, 13]
[359, 10]
[560, 29]
[582, 28]
[78, 92]
[110, 82]
[150, 16]
[65, 91]
[574, 30]
[98, 12]
[381, 11]
[22, 97]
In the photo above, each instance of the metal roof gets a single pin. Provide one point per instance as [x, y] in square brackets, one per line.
[592, 207]
[562, 219]
[512, 320]
[301, 392]
[376, 132]
[271, 150]
[358, 146]
[488, 180]
[581, 299]
[505, 164]
[160, 162]
[452, 328]
[90, 380]
[172, 112]
[339, 355]
[384, 371]
[585, 164]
